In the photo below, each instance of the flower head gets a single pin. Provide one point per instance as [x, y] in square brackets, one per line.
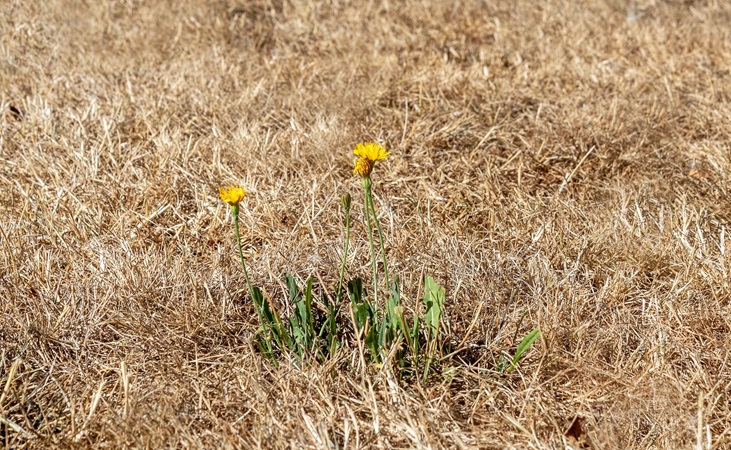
[371, 151]
[232, 195]
[368, 153]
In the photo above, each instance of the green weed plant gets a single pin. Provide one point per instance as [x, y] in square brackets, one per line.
[385, 333]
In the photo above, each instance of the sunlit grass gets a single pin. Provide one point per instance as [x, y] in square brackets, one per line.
[560, 169]
[383, 332]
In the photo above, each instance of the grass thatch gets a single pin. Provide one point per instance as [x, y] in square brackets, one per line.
[566, 161]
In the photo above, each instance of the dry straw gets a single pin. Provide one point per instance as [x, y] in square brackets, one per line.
[558, 164]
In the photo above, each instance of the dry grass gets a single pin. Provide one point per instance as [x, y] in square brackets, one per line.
[564, 160]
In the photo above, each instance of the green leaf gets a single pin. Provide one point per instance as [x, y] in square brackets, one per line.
[294, 290]
[434, 301]
[301, 321]
[270, 321]
[365, 317]
[383, 331]
[394, 312]
[525, 344]
[329, 328]
[307, 316]
[362, 309]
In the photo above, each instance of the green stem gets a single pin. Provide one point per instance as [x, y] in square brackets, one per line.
[369, 199]
[366, 181]
[258, 304]
[345, 254]
[235, 211]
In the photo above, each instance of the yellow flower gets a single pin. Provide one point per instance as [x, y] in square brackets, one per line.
[232, 194]
[369, 153]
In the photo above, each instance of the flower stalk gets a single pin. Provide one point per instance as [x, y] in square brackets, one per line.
[235, 212]
[233, 195]
[369, 202]
[368, 153]
[366, 182]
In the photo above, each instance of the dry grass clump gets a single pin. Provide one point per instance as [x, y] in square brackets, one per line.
[561, 165]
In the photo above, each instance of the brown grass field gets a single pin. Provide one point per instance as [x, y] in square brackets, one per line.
[556, 164]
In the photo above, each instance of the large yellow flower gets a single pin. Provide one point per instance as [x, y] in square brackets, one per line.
[232, 194]
[368, 153]
[371, 151]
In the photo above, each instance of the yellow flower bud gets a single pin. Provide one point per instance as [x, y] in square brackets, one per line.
[363, 167]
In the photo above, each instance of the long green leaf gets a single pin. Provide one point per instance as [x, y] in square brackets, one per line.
[525, 344]
[301, 322]
[434, 301]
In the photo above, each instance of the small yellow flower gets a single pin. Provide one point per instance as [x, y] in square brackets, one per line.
[371, 151]
[232, 195]
[368, 153]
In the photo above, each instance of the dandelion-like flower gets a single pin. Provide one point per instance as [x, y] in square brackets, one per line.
[371, 151]
[232, 195]
[368, 153]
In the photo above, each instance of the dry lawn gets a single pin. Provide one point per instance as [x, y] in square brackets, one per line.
[562, 162]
